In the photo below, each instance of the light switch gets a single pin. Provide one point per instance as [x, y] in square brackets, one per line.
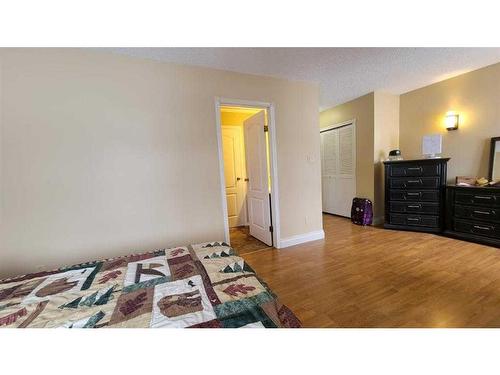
[310, 158]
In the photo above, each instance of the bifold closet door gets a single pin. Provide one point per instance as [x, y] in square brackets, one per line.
[338, 164]
[329, 162]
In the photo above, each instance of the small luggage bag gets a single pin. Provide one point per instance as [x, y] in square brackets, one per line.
[362, 211]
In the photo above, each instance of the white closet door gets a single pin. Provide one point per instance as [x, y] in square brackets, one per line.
[346, 178]
[338, 162]
[329, 167]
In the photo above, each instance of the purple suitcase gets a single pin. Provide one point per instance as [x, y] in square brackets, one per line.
[362, 211]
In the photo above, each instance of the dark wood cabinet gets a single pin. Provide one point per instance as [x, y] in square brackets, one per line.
[414, 194]
[473, 214]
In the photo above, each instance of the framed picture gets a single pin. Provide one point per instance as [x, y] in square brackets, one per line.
[432, 145]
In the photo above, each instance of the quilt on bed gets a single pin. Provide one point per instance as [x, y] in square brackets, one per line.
[198, 286]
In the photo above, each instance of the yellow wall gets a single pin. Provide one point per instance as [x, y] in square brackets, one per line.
[361, 109]
[475, 96]
[105, 154]
[235, 117]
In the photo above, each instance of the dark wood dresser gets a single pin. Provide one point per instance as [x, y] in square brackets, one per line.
[473, 214]
[414, 194]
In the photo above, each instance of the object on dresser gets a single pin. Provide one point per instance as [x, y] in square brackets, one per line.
[482, 182]
[473, 214]
[395, 155]
[414, 194]
[473, 181]
[432, 145]
[465, 181]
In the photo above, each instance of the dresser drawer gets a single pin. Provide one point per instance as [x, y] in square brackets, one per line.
[414, 183]
[416, 207]
[414, 220]
[415, 170]
[478, 213]
[478, 198]
[414, 195]
[481, 229]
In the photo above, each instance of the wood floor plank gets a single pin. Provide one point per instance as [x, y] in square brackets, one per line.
[372, 277]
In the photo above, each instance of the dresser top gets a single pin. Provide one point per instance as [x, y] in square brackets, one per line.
[495, 189]
[433, 160]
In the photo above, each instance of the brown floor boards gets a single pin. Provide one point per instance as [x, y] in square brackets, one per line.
[372, 277]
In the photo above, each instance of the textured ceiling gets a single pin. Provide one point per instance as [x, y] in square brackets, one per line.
[342, 73]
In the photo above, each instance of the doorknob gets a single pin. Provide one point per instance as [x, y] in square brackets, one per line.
[246, 179]
[238, 178]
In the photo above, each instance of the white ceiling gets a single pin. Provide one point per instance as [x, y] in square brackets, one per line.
[343, 73]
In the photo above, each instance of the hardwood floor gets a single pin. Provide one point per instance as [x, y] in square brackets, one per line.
[243, 243]
[372, 277]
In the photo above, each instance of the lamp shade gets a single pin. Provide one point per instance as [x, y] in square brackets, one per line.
[451, 121]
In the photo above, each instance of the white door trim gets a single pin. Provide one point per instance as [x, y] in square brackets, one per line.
[338, 125]
[275, 217]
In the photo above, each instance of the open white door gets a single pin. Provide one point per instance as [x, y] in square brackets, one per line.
[259, 212]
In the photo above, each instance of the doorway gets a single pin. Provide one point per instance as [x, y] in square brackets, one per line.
[245, 158]
[338, 168]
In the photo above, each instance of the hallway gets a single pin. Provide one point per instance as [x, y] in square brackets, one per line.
[243, 242]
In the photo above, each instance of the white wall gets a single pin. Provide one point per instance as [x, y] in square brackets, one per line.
[103, 154]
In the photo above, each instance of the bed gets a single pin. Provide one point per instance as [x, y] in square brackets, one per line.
[196, 286]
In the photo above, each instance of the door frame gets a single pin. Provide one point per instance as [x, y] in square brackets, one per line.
[341, 125]
[275, 217]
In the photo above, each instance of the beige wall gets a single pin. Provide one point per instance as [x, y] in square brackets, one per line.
[386, 138]
[362, 110]
[1, 149]
[377, 132]
[476, 97]
[103, 154]
[385, 122]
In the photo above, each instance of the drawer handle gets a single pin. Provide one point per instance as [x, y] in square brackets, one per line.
[413, 194]
[415, 169]
[413, 219]
[481, 227]
[414, 206]
[482, 212]
[414, 181]
[483, 197]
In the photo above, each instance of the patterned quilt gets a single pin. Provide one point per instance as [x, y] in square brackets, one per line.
[198, 286]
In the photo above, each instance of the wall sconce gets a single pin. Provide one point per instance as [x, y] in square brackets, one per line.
[451, 121]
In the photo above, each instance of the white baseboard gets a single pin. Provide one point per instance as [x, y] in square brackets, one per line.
[301, 238]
